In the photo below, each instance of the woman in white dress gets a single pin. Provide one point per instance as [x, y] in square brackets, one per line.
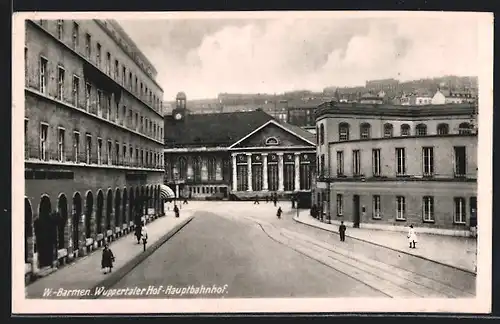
[412, 237]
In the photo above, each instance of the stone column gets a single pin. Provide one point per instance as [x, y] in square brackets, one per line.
[249, 172]
[233, 159]
[177, 191]
[281, 187]
[264, 172]
[297, 171]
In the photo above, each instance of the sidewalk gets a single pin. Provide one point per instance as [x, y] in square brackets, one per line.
[457, 252]
[86, 273]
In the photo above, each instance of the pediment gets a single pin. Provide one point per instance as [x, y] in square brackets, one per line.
[273, 134]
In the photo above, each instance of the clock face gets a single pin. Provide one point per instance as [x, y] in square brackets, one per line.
[178, 116]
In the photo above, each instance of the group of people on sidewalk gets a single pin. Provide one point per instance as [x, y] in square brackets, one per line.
[141, 234]
[317, 213]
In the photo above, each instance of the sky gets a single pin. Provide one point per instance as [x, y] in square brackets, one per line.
[204, 57]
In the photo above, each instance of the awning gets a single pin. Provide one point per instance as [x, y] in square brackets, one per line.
[166, 192]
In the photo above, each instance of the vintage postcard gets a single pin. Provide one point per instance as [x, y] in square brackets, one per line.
[233, 162]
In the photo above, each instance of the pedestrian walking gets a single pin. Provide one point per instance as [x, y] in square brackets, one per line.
[342, 230]
[176, 211]
[185, 202]
[275, 199]
[138, 233]
[107, 259]
[293, 202]
[256, 200]
[412, 237]
[279, 212]
[144, 236]
[267, 199]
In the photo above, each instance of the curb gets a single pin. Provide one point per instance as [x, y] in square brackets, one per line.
[393, 249]
[130, 265]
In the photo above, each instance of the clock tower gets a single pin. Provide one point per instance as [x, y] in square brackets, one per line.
[179, 112]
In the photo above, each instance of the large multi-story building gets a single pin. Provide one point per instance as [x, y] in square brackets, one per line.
[243, 154]
[93, 137]
[389, 167]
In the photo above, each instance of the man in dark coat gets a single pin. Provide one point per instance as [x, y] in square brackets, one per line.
[256, 200]
[275, 199]
[279, 212]
[342, 230]
[137, 233]
[176, 211]
[107, 259]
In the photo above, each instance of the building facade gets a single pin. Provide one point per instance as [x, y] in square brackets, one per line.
[239, 154]
[93, 138]
[389, 167]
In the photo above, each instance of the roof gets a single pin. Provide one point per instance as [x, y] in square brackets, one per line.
[219, 129]
[299, 131]
[394, 110]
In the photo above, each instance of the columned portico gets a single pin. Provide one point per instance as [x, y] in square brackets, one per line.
[256, 171]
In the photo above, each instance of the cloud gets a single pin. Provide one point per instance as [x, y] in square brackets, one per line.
[286, 54]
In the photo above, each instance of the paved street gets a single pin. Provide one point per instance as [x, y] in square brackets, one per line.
[246, 248]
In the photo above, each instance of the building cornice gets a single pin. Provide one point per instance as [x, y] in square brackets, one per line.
[381, 110]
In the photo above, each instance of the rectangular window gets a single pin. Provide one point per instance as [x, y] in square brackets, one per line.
[124, 76]
[88, 45]
[108, 63]
[117, 148]
[76, 146]
[322, 166]
[76, 35]
[428, 161]
[136, 84]
[98, 54]
[130, 80]
[109, 153]
[60, 29]
[142, 124]
[108, 97]
[88, 148]
[459, 210]
[44, 130]
[400, 161]
[401, 208]
[88, 96]
[340, 163]
[117, 69]
[131, 154]
[76, 90]
[356, 162]
[124, 152]
[60, 83]
[136, 157]
[428, 209]
[99, 150]
[376, 207]
[376, 162]
[136, 121]
[340, 205]
[60, 145]
[99, 103]
[43, 75]
[460, 161]
[142, 157]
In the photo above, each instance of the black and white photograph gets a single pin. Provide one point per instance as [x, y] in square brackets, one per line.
[233, 162]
